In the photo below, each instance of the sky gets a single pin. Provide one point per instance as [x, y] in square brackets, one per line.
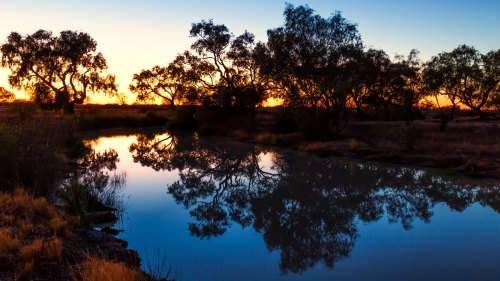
[136, 35]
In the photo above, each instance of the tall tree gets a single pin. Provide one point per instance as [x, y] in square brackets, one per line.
[406, 82]
[173, 84]
[307, 59]
[465, 76]
[66, 65]
[229, 69]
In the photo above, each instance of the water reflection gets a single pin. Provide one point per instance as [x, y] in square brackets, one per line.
[306, 208]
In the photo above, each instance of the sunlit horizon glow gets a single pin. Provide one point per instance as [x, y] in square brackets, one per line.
[139, 35]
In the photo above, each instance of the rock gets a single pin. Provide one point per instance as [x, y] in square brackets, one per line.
[110, 230]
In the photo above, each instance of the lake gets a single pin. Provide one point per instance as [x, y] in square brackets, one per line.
[226, 210]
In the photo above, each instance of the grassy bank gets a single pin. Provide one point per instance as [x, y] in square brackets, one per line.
[40, 240]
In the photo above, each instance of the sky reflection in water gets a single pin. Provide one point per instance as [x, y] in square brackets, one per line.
[243, 212]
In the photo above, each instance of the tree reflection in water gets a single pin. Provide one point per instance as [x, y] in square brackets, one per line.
[306, 208]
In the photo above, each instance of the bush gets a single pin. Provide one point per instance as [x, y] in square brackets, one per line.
[284, 124]
[31, 144]
[183, 119]
[212, 130]
[407, 135]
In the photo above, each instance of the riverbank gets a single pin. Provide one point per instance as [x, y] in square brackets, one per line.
[469, 148]
[39, 241]
[41, 235]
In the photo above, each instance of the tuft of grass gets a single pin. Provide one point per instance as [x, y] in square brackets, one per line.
[30, 252]
[353, 145]
[54, 250]
[157, 267]
[313, 147]
[6, 220]
[7, 243]
[25, 228]
[26, 269]
[99, 270]
[58, 226]
[266, 138]
[241, 135]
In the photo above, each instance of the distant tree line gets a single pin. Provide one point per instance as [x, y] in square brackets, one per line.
[317, 66]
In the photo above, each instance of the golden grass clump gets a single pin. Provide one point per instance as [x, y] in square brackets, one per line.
[30, 252]
[54, 250]
[25, 227]
[43, 209]
[103, 270]
[313, 146]
[6, 220]
[58, 226]
[265, 138]
[8, 244]
[26, 269]
[353, 145]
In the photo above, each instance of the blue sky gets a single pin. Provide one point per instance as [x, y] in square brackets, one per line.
[136, 35]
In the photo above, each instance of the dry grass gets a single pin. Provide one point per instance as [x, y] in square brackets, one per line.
[26, 269]
[25, 228]
[6, 220]
[276, 139]
[241, 135]
[54, 250]
[353, 145]
[58, 226]
[30, 252]
[103, 270]
[266, 138]
[8, 244]
[313, 146]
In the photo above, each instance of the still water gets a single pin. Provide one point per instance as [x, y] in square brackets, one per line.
[224, 210]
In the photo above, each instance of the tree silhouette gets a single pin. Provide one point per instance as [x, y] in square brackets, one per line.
[57, 69]
[307, 59]
[173, 84]
[464, 75]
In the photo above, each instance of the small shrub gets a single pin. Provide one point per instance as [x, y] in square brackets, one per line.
[449, 161]
[407, 135]
[212, 130]
[312, 147]
[54, 250]
[183, 119]
[265, 138]
[241, 135]
[29, 253]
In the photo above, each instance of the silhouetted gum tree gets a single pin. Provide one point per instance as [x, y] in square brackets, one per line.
[228, 71]
[307, 58]
[56, 69]
[174, 84]
[406, 83]
[465, 76]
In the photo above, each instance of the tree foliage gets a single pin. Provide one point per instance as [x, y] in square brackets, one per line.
[465, 76]
[6, 95]
[60, 70]
[309, 60]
